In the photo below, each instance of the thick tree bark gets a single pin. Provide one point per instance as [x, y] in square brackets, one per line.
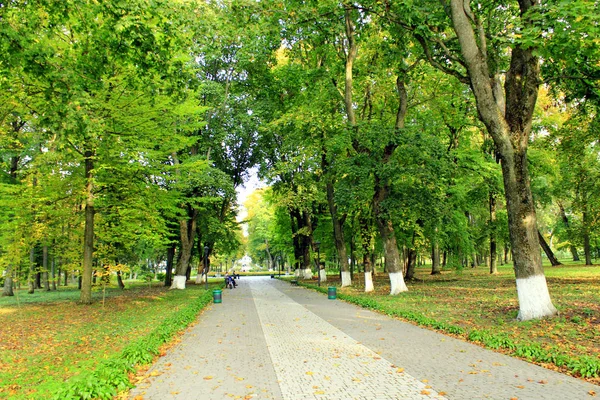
[7, 289]
[510, 130]
[493, 252]
[302, 240]
[169, 271]
[411, 261]
[88, 234]
[390, 246]
[45, 278]
[120, 280]
[435, 258]
[187, 230]
[565, 221]
[549, 253]
[338, 234]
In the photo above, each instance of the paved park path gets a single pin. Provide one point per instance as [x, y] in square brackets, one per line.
[271, 340]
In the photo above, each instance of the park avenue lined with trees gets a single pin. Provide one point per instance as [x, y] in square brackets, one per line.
[464, 133]
[426, 158]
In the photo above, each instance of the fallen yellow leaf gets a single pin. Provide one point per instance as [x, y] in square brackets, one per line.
[208, 378]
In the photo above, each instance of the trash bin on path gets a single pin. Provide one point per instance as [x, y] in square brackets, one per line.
[331, 294]
[217, 296]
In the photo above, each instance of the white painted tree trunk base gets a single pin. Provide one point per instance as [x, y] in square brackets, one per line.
[322, 275]
[178, 282]
[297, 273]
[199, 278]
[534, 298]
[369, 282]
[346, 278]
[307, 274]
[397, 283]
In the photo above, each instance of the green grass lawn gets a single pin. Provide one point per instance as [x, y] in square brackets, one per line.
[47, 338]
[477, 306]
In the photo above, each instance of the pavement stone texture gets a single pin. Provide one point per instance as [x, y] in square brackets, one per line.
[271, 340]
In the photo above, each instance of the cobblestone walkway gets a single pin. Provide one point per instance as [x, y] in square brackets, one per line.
[269, 340]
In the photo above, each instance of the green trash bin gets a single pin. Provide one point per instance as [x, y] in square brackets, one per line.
[331, 294]
[217, 296]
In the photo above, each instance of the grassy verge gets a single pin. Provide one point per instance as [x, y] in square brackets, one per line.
[63, 350]
[479, 307]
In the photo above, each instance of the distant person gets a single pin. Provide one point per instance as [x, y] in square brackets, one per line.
[229, 282]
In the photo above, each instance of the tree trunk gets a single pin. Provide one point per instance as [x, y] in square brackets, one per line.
[435, 258]
[53, 270]
[88, 234]
[368, 267]
[565, 221]
[510, 126]
[187, 230]
[45, 277]
[7, 290]
[553, 260]
[31, 273]
[305, 244]
[411, 263]
[120, 280]
[338, 234]
[587, 249]
[169, 271]
[390, 247]
[493, 267]
[475, 262]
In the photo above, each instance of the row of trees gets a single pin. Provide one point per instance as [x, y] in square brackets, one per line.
[124, 133]
[438, 127]
[381, 126]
